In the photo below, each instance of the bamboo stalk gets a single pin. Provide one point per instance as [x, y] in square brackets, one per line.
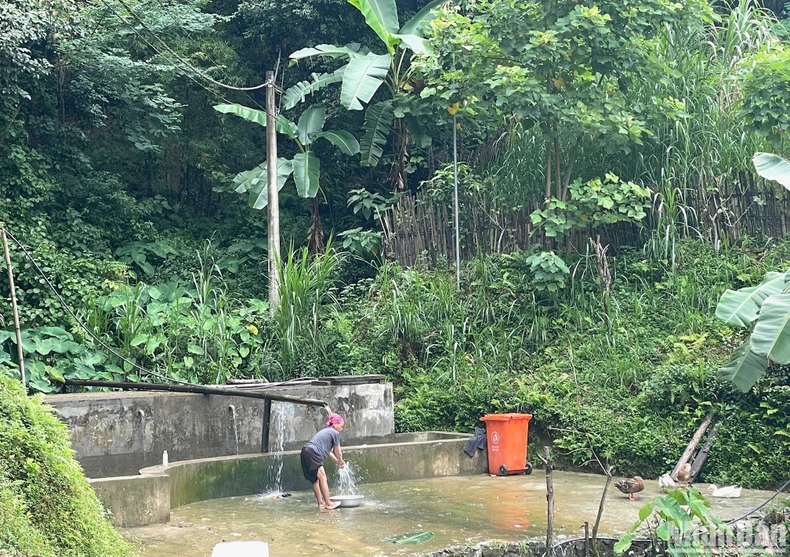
[14, 309]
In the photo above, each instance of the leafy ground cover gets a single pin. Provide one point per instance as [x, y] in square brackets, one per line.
[47, 507]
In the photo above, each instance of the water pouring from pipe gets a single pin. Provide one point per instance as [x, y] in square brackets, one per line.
[234, 426]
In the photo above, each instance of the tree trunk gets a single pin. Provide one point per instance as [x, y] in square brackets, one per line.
[315, 235]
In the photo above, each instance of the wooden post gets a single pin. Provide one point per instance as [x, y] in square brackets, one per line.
[702, 455]
[692, 445]
[14, 310]
[600, 506]
[273, 194]
[550, 501]
[586, 539]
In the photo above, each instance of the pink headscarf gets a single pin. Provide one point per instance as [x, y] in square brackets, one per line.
[334, 419]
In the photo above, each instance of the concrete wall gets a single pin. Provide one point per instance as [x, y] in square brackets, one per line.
[406, 457]
[135, 500]
[117, 434]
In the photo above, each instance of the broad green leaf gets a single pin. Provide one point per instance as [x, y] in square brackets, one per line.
[646, 511]
[377, 126]
[415, 25]
[381, 16]
[412, 538]
[773, 167]
[194, 349]
[417, 132]
[744, 369]
[307, 171]
[350, 51]
[44, 346]
[247, 179]
[310, 123]
[139, 339]
[343, 140]
[418, 45]
[298, 92]
[362, 78]
[57, 332]
[259, 190]
[771, 336]
[283, 124]
[5, 335]
[740, 307]
[624, 543]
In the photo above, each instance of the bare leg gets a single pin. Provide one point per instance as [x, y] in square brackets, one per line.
[324, 484]
[317, 492]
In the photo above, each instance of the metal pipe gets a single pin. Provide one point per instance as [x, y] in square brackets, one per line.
[198, 389]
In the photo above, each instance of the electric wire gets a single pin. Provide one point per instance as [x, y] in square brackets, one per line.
[166, 10]
[208, 78]
[82, 325]
[160, 53]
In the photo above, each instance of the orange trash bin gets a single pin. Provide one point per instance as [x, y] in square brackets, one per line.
[507, 443]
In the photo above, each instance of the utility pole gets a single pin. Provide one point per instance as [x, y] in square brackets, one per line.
[273, 194]
[456, 216]
[14, 310]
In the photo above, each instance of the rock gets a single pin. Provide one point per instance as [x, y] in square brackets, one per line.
[241, 549]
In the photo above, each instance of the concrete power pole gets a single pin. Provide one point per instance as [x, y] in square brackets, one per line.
[273, 194]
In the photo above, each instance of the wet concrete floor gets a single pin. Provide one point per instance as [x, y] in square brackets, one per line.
[460, 510]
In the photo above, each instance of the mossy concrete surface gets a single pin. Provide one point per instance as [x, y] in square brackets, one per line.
[118, 433]
[136, 501]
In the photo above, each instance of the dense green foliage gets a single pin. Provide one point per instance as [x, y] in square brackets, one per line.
[47, 507]
[118, 174]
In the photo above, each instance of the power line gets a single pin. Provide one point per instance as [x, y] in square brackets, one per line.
[82, 325]
[166, 10]
[159, 52]
[186, 62]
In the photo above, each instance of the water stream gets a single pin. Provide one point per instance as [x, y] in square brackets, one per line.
[277, 423]
[141, 415]
[347, 480]
[234, 426]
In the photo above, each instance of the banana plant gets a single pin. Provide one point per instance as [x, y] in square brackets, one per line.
[767, 305]
[304, 166]
[365, 72]
[773, 167]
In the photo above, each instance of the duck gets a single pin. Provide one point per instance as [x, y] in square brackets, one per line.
[730, 491]
[631, 487]
[666, 482]
[684, 474]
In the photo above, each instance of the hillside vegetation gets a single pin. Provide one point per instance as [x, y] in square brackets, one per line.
[607, 199]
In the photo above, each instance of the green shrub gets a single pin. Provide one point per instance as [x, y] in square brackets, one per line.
[47, 506]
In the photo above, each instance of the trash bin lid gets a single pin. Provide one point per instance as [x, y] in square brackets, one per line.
[505, 417]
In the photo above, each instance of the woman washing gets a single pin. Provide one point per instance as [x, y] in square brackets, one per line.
[324, 443]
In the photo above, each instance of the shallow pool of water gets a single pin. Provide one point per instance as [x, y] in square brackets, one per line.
[460, 510]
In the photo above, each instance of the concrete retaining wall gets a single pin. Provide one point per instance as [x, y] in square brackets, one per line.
[117, 434]
[407, 456]
[135, 500]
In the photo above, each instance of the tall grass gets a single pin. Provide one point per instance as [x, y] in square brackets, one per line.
[690, 163]
[306, 297]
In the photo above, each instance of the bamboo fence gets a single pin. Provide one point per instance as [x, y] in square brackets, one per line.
[419, 229]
